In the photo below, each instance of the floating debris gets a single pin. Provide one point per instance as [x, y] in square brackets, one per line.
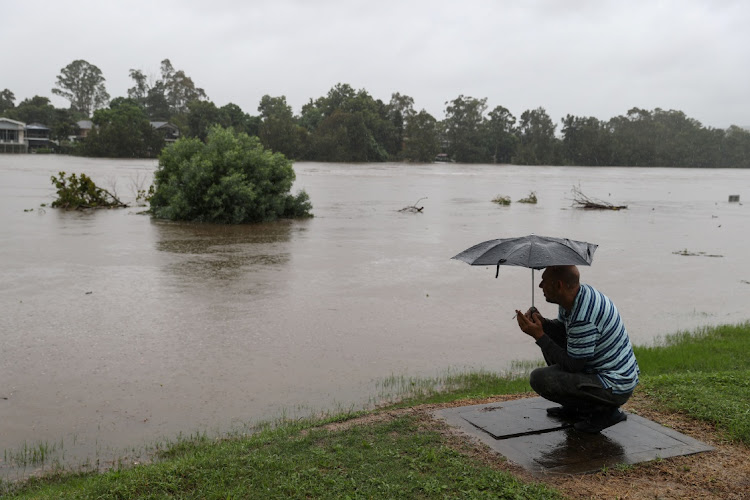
[501, 200]
[531, 198]
[580, 200]
[414, 208]
[686, 253]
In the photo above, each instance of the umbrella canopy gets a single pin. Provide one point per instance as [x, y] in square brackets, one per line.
[535, 252]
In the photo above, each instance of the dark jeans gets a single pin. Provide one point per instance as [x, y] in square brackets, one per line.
[583, 391]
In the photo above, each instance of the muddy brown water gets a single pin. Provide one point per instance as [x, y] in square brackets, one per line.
[119, 331]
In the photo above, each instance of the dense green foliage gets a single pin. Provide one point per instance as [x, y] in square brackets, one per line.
[706, 375]
[121, 131]
[230, 178]
[348, 125]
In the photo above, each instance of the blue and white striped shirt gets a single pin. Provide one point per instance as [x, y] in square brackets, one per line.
[596, 332]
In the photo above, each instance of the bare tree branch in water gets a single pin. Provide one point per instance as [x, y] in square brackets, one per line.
[414, 208]
[580, 200]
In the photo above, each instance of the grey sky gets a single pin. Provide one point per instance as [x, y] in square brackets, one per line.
[586, 58]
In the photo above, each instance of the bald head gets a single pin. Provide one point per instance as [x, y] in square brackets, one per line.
[569, 275]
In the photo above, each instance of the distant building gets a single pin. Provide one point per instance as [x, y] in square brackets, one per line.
[84, 127]
[171, 132]
[12, 136]
[38, 137]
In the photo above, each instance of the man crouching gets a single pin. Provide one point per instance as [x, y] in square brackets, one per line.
[591, 370]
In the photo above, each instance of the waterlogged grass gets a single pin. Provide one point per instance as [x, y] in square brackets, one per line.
[393, 459]
[406, 391]
[705, 374]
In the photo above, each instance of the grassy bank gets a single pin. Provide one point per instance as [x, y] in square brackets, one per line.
[704, 375]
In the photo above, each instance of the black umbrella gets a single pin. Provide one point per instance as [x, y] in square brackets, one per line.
[535, 252]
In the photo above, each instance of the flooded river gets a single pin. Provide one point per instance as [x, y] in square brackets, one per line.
[119, 331]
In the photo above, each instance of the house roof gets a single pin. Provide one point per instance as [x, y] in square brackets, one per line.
[8, 124]
[158, 125]
[85, 124]
[36, 126]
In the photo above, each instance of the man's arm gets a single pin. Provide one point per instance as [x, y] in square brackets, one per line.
[548, 333]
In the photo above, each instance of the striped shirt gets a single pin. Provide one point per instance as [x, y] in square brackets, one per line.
[596, 333]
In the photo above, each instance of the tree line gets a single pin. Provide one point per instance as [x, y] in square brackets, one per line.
[348, 125]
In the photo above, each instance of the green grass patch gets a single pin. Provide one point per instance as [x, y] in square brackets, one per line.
[722, 398]
[708, 349]
[705, 374]
[394, 459]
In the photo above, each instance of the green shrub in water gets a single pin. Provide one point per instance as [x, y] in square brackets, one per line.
[230, 179]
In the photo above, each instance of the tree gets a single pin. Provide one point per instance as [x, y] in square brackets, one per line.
[586, 141]
[202, 115]
[229, 179]
[179, 88]
[537, 135]
[82, 84]
[502, 139]
[422, 139]
[139, 92]
[463, 124]
[278, 128]
[399, 111]
[233, 116]
[349, 126]
[122, 131]
[7, 100]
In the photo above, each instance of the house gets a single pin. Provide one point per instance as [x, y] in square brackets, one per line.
[38, 137]
[84, 127]
[171, 132]
[12, 136]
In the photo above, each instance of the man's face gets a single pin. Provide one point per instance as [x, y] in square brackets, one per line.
[550, 287]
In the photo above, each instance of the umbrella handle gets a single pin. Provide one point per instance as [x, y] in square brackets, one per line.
[532, 287]
[497, 273]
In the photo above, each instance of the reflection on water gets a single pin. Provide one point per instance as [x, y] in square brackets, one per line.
[569, 451]
[210, 252]
[118, 331]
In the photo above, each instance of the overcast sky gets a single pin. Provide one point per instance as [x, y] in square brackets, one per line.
[586, 58]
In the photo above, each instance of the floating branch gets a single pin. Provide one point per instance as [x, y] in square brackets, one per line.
[414, 208]
[580, 200]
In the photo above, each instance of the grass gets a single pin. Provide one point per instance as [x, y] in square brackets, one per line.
[705, 375]
[394, 459]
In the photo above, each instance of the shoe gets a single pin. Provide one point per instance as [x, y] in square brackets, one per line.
[566, 412]
[599, 421]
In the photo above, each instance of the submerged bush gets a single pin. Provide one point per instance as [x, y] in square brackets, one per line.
[531, 198]
[501, 200]
[230, 179]
[76, 192]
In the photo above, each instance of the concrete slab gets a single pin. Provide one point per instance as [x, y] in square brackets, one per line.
[521, 431]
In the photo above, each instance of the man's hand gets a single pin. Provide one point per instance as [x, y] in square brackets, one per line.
[530, 323]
